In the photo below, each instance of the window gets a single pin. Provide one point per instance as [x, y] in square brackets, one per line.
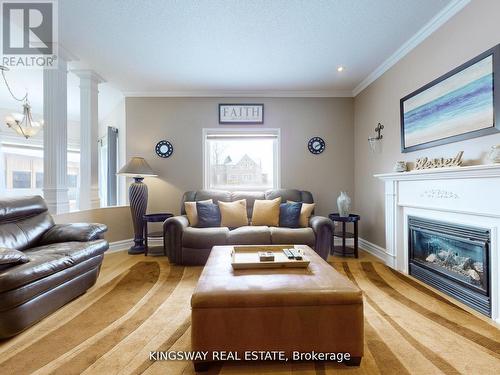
[38, 180]
[21, 179]
[241, 159]
[72, 181]
[22, 168]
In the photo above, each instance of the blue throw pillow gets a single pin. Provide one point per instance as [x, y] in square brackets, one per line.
[290, 214]
[208, 215]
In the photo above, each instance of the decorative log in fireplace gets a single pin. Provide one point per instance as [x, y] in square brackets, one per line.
[452, 258]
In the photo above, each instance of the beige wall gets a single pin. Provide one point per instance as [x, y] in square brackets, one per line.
[116, 218]
[181, 120]
[472, 31]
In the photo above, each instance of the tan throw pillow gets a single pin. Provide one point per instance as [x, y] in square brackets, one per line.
[266, 212]
[233, 214]
[305, 213]
[192, 213]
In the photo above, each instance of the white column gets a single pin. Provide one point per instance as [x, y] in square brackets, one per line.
[55, 138]
[89, 133]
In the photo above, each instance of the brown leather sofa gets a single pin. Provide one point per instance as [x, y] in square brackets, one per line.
[63, 262]
[191, 246]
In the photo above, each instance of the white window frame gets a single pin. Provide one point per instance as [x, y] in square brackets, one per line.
[276, 150]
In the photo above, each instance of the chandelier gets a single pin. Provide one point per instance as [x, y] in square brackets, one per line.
[22, 123]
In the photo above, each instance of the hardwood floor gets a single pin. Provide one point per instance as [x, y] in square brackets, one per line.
[141, 304]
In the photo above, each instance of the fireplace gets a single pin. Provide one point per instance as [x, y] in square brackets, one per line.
[452, 258]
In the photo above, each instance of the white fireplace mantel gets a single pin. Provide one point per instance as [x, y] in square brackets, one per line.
[463, 195]
[473, 171]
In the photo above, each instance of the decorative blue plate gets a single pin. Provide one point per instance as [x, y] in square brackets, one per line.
[164, 149]
[316, 145]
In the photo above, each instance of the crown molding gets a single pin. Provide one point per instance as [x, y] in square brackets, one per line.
[245, 94]
[435, 23]
[88, 74]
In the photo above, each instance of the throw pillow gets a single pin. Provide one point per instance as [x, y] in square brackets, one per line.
[192, 213]
[290, 214]
[208, 215]
[11, 257]
[266, 212]
[233, 214]
[305, 213]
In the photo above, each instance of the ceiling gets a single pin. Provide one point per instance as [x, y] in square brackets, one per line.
[159, 47]
[232, 47]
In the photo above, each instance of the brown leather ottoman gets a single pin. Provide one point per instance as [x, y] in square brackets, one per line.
[240, 312]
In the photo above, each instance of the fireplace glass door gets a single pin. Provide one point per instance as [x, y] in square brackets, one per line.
[451, 257]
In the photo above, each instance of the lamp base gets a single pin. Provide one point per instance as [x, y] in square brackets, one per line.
[136, 249]
[138, 196]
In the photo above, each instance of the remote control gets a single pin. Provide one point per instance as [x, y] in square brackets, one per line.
[288, 253]
[296, 254]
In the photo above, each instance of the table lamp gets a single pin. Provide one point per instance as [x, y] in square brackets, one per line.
[137, 168]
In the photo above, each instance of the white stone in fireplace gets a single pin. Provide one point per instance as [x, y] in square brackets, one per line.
[465, 195]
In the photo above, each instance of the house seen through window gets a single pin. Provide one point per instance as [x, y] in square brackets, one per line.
[241, 159]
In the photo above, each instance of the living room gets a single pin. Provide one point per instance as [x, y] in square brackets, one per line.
[250, 187]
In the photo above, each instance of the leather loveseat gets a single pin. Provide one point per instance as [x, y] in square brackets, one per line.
[191, 246]
[63, 261]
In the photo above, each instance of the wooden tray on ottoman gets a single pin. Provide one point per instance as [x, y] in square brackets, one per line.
[247, 257]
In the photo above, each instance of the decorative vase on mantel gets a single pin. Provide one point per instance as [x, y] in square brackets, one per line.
[344, 204]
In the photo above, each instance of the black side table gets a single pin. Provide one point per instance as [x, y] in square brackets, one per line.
[344, 234]
[154, 218]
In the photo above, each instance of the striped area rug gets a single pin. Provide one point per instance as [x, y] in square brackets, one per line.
[142, 304]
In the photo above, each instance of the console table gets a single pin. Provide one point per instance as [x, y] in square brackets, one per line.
[344, 250]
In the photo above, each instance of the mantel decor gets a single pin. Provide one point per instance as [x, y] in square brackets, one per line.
[241, 114]
[426, 163]
[464, 103]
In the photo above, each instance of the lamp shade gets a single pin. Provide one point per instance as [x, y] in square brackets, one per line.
[137, 167]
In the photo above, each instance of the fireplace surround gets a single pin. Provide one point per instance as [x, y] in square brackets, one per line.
[452, 258]
[460, 197]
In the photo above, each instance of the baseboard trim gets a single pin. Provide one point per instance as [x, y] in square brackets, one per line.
[377, 251]
[126, 244]
[120, 245]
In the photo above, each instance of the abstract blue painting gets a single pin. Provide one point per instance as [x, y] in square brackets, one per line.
[448, 109]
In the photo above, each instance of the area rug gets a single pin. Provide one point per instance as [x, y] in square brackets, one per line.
[409, 329]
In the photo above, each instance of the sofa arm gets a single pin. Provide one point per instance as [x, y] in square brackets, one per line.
[172, 232]
[323, 229]
[81, 232]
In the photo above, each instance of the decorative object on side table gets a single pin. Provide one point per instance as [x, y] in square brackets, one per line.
[316, 145]
[461, 104]
[494, 154]
[426, 163]
[400, 166]
[344, 250]
[375, 141]
[137, 168]
[344, 204]
[154, 218]
[164, 149]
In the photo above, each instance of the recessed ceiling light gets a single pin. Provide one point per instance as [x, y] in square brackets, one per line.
[340, 68]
